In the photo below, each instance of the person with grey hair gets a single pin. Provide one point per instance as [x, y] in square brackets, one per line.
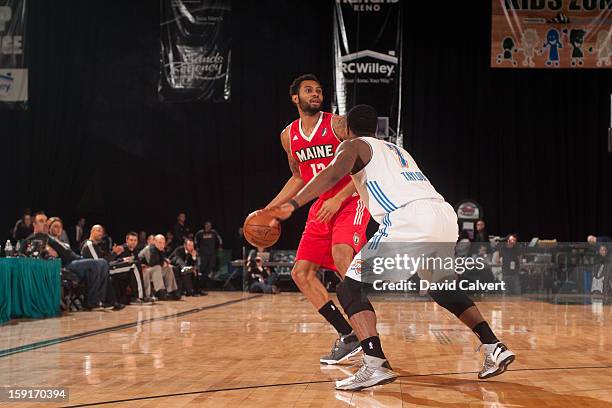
[158, 269]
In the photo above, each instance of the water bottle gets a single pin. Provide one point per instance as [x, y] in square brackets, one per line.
[8, 248]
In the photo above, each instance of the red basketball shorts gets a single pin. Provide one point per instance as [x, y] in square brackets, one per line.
[348, 226]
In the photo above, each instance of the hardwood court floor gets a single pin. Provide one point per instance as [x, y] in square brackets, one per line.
[235, 350]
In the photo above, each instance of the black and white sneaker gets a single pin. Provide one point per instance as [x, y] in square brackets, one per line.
[344, 348]
[374, 371]
[497, 358]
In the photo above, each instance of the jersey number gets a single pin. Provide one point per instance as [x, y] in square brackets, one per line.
[398, 153]
[317, 168]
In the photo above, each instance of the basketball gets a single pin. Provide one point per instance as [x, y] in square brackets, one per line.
[258, 232]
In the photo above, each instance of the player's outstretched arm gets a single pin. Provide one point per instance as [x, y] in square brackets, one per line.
[346, 192]
[346, 155]
[351, 156]
[343, 163]
[295, 183]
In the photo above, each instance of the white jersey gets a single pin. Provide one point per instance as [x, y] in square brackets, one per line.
[391, 180]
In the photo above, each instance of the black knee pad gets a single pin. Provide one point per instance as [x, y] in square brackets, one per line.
[454, 301]
[352, 297]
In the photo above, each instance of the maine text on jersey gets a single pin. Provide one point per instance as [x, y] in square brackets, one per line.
[315, 152]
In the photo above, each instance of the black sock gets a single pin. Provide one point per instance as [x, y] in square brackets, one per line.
[484, 333]
[371, 346]
[331, 313]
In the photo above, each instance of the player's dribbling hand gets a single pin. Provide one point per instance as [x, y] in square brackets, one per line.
[329, 208]
[280, 213]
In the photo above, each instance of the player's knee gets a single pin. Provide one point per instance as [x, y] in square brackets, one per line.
[343, 256]
[301, 274]
[453, 301]
[298, 275]
[352, 297]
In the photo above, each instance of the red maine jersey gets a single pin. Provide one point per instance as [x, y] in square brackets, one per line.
[314, 152]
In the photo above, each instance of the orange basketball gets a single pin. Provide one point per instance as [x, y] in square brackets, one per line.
[258, 232]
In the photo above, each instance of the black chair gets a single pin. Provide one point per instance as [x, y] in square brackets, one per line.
[73, 291]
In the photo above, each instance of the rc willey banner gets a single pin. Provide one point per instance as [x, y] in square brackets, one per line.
[195, 50]
[367, 60]
[551, 34]
[13, 71]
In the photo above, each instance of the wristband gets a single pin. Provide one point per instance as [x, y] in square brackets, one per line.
[294, 204]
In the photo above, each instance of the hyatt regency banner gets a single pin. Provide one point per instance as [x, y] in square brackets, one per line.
[195, 51]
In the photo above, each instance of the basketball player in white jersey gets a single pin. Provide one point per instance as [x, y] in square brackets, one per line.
[409, 209]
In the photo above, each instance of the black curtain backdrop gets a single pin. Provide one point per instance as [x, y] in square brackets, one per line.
[529, 145]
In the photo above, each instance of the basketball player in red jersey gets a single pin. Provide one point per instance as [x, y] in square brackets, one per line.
[337, 221]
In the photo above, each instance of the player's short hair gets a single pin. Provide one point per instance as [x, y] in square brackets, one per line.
[294, 88]
[362, 120]
[131, 234]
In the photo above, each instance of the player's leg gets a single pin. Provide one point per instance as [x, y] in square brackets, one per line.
[309, 256]
[347, 344]
[497, 356]
[375, 369]
[304, 274]
[342, 254]
[314, 250]
[348, 228]
[349, 231]
[361, 313]
[364, 323]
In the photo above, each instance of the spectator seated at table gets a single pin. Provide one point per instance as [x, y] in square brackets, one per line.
[57, 231]
[94, 273]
